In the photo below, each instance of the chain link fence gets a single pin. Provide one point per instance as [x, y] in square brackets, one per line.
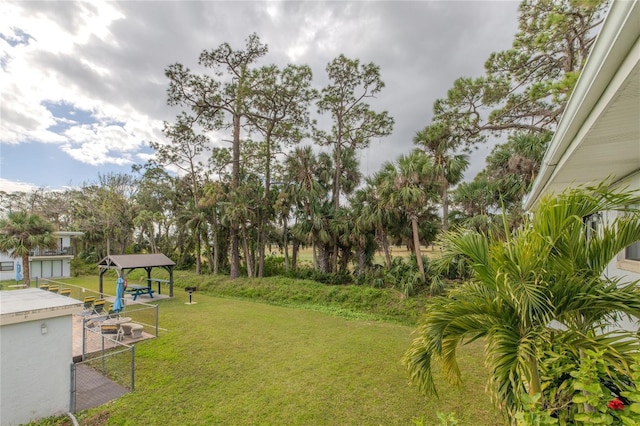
[103, 375]
[104, 364]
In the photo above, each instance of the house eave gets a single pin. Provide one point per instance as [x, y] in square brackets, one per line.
[589, 145]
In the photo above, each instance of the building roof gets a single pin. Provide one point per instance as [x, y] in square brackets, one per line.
[32, 304]
[132, 261]
[598, 137]
[68, 233]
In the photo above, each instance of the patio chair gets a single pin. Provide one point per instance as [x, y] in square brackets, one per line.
[111, 313]
[88, 304]
[98, 307]
[65, 292]
[112, 329]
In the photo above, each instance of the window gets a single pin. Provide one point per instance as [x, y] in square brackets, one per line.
[633, 251]
[629, 260]
[6, 266]
[592, 225]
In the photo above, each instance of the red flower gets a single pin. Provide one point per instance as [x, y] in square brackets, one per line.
[616, 404]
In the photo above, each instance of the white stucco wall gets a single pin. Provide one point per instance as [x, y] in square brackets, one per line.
[51, 268]
[36, 334]
[56, 267]
[619, 268]
[35, 369]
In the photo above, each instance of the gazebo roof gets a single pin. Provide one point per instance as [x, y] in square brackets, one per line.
[132, 261]
[147, 262]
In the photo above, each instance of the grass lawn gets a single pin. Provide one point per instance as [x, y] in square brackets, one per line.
[305, 255]
[236, 362]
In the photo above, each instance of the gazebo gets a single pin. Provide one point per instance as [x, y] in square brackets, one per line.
[125, 263]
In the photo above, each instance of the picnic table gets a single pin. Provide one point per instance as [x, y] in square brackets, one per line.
[136, 290]
[117, 320]
[150, 281]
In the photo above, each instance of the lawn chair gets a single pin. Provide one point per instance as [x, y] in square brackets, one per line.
[65, 292]
[112, 329]
[88, 304]
[111, 313]
[99, 307]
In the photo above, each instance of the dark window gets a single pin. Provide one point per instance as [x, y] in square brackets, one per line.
[591, 225]
[6, 266]
[633, 251]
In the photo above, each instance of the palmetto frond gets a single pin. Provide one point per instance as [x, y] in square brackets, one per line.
[550, 271]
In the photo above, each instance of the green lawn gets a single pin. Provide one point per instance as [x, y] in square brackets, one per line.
[305, 255]
[235, 362]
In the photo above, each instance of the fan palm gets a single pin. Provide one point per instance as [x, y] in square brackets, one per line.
[439, 143]
[406, 187]
[545, 271]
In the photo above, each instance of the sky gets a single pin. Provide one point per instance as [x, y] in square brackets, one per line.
[83, 90]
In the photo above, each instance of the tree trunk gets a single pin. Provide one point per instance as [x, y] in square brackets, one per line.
[247, 254]
[534, 387]
[261, 250]
[416, 245]
[235, 184]
[445, 206]
[336, 202]
[294, 255]
[285, 243]
[198, 251]
[315, 254]
[214, 236]
[208, 250]
[262, 213]
[26, 271]
[152, 239]
[362, 262]
[385, 247]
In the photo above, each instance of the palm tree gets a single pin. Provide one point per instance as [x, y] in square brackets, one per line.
[473, 204]
[307, 181]
[441, 145]
[371, 213]
[513, 166]
[546, 271]
[213, 198]
[21, 232]
[406, 188]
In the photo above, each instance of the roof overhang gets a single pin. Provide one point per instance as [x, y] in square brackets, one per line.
[598, 137]
[68, 233]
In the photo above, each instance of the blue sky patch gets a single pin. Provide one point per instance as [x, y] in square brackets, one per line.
[67, 115]
[19, 36]
[47, 166]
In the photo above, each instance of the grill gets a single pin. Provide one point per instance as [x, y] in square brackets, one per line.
[190, 290]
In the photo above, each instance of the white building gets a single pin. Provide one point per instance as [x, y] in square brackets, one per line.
[55, 263]
[598, 137]
[36, 353]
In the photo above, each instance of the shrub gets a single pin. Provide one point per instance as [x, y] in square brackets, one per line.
[274, 265]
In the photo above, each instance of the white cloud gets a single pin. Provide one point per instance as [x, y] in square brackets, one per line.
[26, 87]
[15, 186]
[108, 59]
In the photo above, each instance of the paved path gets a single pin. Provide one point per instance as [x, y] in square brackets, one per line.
[93, 389]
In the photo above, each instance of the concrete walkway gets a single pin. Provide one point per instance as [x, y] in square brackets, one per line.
[93, 389]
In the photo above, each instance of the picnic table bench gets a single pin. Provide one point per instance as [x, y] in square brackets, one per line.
[137, 290]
